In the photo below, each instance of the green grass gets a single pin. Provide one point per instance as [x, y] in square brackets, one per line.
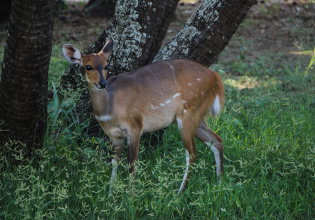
[268, 130]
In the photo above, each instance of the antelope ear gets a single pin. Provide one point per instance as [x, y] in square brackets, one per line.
[72, 54]
[107, 49]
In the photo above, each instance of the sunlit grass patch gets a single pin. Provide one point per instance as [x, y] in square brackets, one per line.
[251, 82]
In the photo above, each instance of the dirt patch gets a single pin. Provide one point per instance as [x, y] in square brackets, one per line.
[280, 30]
[75, 25]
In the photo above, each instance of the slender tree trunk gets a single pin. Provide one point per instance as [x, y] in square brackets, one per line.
[24, 79]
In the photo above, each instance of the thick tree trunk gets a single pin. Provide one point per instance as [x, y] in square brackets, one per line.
[138, 30]
[24, 79]
[207, 32]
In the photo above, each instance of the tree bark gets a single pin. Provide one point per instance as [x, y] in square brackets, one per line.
[24, 79]
[138, 30]
[207, 32]
[5, 8]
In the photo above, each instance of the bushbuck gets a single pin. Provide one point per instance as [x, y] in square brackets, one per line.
[151, 98]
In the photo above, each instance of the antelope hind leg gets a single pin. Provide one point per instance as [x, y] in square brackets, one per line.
[187, 132]
[214, 141]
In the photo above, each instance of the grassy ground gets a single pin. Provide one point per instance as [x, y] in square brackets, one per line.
[267, 126]
[268, 132]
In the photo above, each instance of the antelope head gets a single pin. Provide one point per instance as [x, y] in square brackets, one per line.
[95, 64]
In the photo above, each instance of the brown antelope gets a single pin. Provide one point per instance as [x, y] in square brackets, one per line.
[150, 98]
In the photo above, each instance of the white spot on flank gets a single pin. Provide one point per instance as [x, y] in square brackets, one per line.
[199, 79]
[171, 67]
[177, 94]
[184, 102]
[216, 156]
[185, 111]
[174, 75]
[153, 107]
[162, 104]
[216, 107]
[186, 172]
[103, 118]
[197, 96]
[168, 101]
[189, 84]
[202, 93]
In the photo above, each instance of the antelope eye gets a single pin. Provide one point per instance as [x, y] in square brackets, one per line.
[106, 67]
[88, 67]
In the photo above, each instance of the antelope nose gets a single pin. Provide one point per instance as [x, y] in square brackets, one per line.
[103, 84]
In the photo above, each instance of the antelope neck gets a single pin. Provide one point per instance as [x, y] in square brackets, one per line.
[100, 101]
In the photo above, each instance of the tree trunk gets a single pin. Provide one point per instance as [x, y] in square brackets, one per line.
[24, 79]
[5, 8]
[207, 32]
[138, 29]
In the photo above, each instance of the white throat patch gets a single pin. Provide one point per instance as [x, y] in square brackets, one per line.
[103, 118]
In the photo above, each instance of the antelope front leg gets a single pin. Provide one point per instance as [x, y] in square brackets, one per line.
[117, 147]
[214, 141]
[133, 151]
